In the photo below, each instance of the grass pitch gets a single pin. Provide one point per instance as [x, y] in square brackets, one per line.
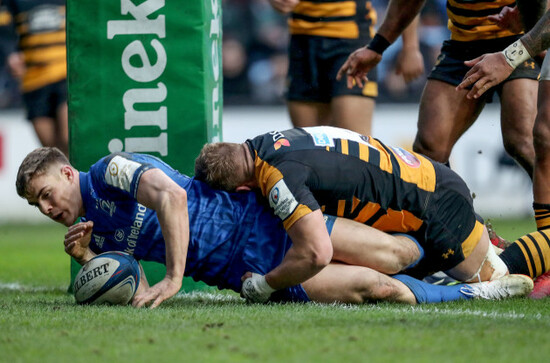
[39, 321]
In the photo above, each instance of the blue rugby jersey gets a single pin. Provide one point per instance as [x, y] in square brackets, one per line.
[230, 233]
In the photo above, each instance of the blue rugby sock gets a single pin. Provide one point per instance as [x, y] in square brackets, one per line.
[427, 293]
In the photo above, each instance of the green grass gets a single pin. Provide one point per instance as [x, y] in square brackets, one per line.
[39, 321]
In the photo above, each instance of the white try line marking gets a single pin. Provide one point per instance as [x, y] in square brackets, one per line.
[15, 286]
[430, 309]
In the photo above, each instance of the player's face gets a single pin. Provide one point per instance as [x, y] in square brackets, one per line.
[54, 195]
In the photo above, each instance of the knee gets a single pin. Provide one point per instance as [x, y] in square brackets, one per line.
[429, 146]
[382, 289]
[404, 254]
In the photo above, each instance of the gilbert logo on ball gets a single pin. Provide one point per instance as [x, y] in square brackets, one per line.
[108, 278]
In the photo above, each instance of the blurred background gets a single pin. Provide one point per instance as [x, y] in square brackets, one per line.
[255, 40]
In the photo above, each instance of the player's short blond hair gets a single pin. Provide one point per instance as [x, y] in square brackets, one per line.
[218, 165]
[37, 163]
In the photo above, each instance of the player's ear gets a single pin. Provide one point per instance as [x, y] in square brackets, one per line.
[67, 172]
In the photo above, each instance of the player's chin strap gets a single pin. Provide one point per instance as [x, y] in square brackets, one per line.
[499, 267]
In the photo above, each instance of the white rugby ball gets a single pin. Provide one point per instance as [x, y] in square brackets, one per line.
[108, 278]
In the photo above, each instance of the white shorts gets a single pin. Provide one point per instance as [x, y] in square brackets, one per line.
[545, 69]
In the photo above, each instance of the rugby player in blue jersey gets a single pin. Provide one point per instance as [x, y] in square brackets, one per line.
[138, 204]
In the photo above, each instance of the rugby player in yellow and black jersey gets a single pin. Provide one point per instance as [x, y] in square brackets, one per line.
[445, 113]
[345, 174]
[322, 34]
[308, 171]
[40, 63]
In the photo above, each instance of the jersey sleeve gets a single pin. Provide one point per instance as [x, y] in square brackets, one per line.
[287, 192]
[120, 173]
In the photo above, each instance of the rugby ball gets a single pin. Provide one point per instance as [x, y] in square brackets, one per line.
[108, 278]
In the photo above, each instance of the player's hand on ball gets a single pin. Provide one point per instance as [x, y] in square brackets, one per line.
[157, 293]
[255, 288]
[77, 240]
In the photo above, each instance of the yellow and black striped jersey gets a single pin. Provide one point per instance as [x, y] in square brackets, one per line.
[468, 19]
[344, 174]
[40, 25]
[5, 16]
[333, 18]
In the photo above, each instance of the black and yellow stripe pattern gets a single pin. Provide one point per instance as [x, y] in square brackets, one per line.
[468, 19]
[363, 180]
[5, 17]
[529, 255]
[41, 29]
[333, 18]
[542, 215]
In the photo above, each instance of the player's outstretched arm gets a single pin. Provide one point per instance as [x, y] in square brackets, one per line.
[77, 241]
[399, 15]
[410, 63]
[160, 193]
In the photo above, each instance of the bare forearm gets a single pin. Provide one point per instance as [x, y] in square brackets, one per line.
[174, 225]
[293, 270]
[311, 251]
[538, 38]
[410, 35]
[399, 15]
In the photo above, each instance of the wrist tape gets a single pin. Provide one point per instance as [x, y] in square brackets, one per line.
[264, 287]
[515, 54]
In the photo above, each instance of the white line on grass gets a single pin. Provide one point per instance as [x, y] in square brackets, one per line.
[220, 297]
[15, 286]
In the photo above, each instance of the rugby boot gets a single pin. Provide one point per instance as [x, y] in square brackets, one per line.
[502, 288]
[542, 286]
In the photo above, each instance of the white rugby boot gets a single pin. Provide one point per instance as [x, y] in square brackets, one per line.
[502, 288]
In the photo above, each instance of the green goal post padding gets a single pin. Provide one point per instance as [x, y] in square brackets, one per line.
[144, 76]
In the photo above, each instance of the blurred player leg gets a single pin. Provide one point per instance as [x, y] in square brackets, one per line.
[307, 114]
[353, 112]
[541, 186]
[45, 130]
[518, 111]
[444, 116]
[62, 128]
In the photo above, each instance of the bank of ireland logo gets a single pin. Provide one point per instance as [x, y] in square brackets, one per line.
[274, 195]
[119, 235]
[280, 143]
